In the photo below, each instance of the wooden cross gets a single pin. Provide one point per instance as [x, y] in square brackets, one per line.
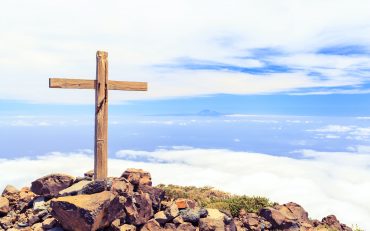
[101, 86]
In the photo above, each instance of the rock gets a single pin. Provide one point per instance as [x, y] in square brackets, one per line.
[169, 227]
[190, 215]
[39, 204]
[97, 186]
[89, 173]
[33, 219]
[186, 227]
[50, 185]
[161, 217]
[49, 223]
[279, 219]
[37, 227]
[332, 222]
[74, 189]
[137, 177]
[298, 212]
[127, 227]
[171, 211]
[178, 220]
[185, 203]
[4, 206]
[215, 221]
[9, 189]
[138, 208]
[122, 187]
[87, 212]
[156, 195]
[151, 225]
[203, 212]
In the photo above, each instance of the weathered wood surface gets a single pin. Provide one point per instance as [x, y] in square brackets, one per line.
[90, 84]
[101, 86]
[101, 116]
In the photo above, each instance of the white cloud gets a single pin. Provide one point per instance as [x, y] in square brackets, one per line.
[39, 41]
[352, 132]
[323, 182]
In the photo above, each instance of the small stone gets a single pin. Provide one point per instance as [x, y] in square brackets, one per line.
[4, 206]
[127, 227]
[161, 217]
[89, 173]
[203, 212]
[37, 227]
[39, 204]
[34, 219]
[49, 223]
[178, 220]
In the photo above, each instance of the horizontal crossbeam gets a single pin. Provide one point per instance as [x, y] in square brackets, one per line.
[90, 84]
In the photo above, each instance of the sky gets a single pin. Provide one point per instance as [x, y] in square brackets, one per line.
[252, 97]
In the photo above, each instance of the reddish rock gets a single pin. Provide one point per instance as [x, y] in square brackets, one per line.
[277, 218]
[185, 203]
[87, 212]
[137, 177]
[298, 212]
[50, 185]
[151, 225]
[170, 227]
[127, 227]
[332, 222]
[4, 206]
[49, 223]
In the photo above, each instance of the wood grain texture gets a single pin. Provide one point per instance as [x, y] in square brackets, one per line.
[101, 116]
[71, 83]
[91, 84]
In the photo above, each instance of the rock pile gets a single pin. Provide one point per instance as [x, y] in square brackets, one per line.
[128, 203]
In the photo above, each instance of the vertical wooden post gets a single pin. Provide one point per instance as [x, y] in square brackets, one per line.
[101, 116]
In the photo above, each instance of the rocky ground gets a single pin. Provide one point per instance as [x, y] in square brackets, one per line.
[128, 203]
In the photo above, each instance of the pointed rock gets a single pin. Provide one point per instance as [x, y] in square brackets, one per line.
[4, 206]
[137, 177]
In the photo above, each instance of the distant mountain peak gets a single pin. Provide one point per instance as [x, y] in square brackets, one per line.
[207, 112]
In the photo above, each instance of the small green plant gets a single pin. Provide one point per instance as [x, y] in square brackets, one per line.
[356, 228]
[211, 198]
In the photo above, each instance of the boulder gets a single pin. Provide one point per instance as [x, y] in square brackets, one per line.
[87, 212]
[280, 218]
[96, 186]
[190, 215]
[138, 208]
[122, 187]
[137, 177]
[170, 227]
[4, 206]
[332, 222]
[38, 203]
[156, 195]
[51, 185]
[89, 173]
[215, 221]
[298, 212]
[151, 225]
[171, 211]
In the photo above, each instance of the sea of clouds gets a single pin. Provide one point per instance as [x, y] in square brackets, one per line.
[323, 182]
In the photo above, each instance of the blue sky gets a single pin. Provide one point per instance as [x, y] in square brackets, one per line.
[284, 82]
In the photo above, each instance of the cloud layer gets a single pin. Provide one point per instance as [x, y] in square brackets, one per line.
[186, 48]
[324, 183]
